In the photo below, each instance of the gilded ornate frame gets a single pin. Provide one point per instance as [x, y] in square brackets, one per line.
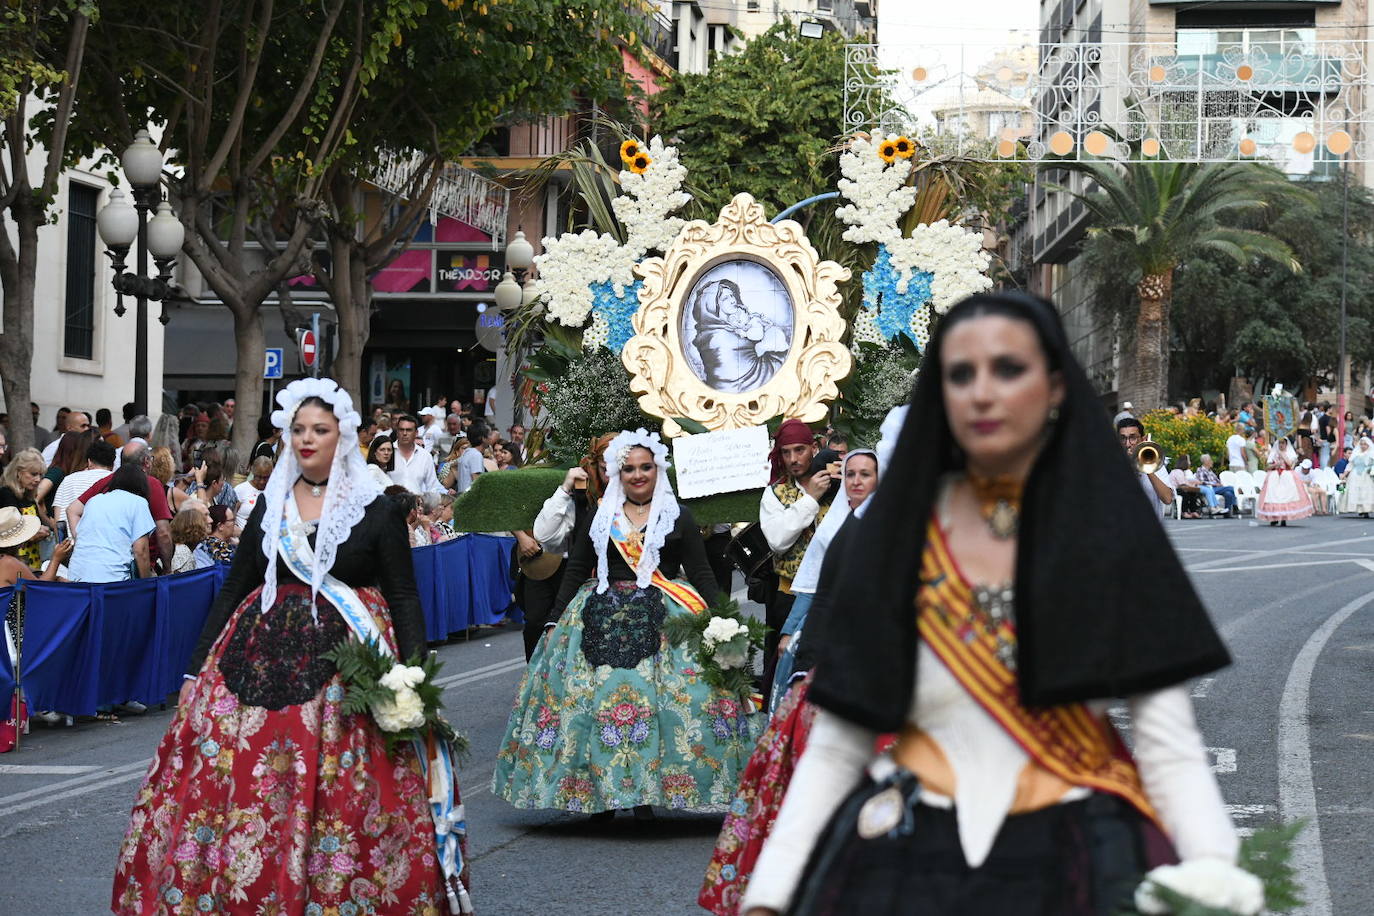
[668, 387]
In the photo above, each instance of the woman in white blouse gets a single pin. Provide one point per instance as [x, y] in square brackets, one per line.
[998, 621]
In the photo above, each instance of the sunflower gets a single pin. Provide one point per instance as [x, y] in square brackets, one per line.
[640, 163]
[887, 151]
[904, 147]
[629, 150]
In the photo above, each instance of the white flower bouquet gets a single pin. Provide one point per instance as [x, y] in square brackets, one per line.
[724, 641]
[1263, 881]
[402, 698]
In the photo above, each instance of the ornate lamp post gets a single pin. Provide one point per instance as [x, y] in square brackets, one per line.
[509, 293]
[121, 225]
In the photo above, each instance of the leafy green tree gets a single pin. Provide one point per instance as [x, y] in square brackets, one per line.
[764, 120]
[1152, 216]
[42, 46]
[515, 61]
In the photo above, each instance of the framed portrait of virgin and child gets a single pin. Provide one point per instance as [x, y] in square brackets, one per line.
[738, 322]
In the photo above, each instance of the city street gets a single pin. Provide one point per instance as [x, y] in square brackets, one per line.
[1290, 726]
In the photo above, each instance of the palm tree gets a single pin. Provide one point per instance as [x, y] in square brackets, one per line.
[1155, 215]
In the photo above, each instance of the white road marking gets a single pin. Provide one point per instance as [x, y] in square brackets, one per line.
[1297, 792]
[1201, 687]
[107, 777]
[1262, 554]
[1223, 759]
[38, 769]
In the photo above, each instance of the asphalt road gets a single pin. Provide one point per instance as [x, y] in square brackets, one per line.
[1290, 724]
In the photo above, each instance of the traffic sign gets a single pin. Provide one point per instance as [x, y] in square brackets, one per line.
[309, 351]
[272, 368]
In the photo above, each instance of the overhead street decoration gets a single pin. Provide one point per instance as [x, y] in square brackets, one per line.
[1301, 104]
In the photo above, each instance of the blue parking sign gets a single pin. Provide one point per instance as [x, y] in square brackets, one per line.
[272, 368]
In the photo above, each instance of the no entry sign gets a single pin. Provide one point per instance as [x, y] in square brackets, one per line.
[309, 351]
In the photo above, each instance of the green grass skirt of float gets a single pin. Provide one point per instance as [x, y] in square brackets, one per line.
[509, 501]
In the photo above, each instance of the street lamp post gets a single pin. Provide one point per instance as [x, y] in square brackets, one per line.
[121, 225]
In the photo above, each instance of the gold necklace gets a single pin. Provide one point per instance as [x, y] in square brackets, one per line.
[999, 502]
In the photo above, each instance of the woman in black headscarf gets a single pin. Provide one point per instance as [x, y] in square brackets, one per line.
[1007, 792]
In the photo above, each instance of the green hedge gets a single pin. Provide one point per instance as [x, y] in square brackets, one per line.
[509, 501]
[1191, 436]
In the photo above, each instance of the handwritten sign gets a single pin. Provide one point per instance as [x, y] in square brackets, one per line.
[725, 461]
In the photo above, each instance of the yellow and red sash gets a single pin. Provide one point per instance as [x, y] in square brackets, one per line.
[1067, 740]
[633, 548]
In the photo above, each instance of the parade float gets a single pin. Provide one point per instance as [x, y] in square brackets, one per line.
[697, 328]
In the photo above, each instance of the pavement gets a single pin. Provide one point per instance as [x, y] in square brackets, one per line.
[1290, 726]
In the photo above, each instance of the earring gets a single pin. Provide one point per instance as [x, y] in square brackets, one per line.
[1054, 416]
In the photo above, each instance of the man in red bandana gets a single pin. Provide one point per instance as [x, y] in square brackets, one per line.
[788, 515]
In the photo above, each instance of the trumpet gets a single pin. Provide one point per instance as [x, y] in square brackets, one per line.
[1148, 456]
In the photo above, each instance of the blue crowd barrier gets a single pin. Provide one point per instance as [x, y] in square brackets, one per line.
[87, 646]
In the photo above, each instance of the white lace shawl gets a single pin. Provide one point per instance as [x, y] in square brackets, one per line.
[809, 572]
[663, 510]
[350, 490]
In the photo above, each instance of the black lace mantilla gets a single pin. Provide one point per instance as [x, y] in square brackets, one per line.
[622, 627]
[273, 659]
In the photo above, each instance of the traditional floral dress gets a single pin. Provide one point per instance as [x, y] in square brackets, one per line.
[1359, 484]
[264, 797]
[1283, 496]
[610, 714]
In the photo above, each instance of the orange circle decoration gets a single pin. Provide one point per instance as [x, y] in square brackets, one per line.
[1096, 143]
[1007, 133]
[1157, 74]
[1006, 149]
[1150, 147]
[1004, 74]
[1061, 143]
[1304, 142]
[1247, 147]
[920, 74]
[1245, 73]
[1339, 142]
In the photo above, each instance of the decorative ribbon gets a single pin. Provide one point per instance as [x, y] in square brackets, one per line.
[680, 592]
[1067, 740]
[436, 757]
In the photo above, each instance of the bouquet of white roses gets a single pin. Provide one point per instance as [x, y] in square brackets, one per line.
[724, 641]
[1263, 880]
[402, 698]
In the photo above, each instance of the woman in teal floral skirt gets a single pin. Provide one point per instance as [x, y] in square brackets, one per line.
[610, 715]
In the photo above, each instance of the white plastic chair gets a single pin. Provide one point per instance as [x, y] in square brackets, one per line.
[1244, 487]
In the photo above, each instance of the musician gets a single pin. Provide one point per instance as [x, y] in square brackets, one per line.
[791, 507]
[1156, 486]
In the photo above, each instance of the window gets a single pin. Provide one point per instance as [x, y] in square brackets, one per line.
[825, 6]
[751, 6]
[78, 330]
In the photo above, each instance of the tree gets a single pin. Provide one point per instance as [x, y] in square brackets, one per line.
[515, 61]
[255, 100]
[1152, 216]
[42, 46]
[764, 120]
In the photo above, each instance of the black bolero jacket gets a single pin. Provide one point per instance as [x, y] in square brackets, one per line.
[683, 550]
[377, 554]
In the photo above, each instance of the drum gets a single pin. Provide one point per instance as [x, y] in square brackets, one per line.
[749, 551]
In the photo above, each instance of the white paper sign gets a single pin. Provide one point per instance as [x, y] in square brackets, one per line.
[721, 462]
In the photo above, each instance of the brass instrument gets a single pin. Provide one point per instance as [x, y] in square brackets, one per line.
[1148, 456]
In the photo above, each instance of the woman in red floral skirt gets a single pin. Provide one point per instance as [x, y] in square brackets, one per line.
[264, 796]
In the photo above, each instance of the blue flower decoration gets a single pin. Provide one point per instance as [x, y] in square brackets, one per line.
[721, 728]
[546, 737]
[739, 807]
[617, 310]
[205, 903]
[204, 835]
[894, 310]
[329, 844]
[348, 908]
[209, 747]
[173, 895]
[346, 759]
[334, 693]
[314, 909]
[728, 872]
[639, 732]
[610, 736]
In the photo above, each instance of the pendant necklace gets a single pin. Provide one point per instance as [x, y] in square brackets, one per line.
[999, 503]
[315, 488]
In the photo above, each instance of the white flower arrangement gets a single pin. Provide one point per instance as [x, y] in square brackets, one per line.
[945, 263]
[1213, 883]
[402, 711]
[573, 263]
[721, 629]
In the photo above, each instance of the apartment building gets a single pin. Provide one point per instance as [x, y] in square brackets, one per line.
[1241, 78]
[852, 17]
